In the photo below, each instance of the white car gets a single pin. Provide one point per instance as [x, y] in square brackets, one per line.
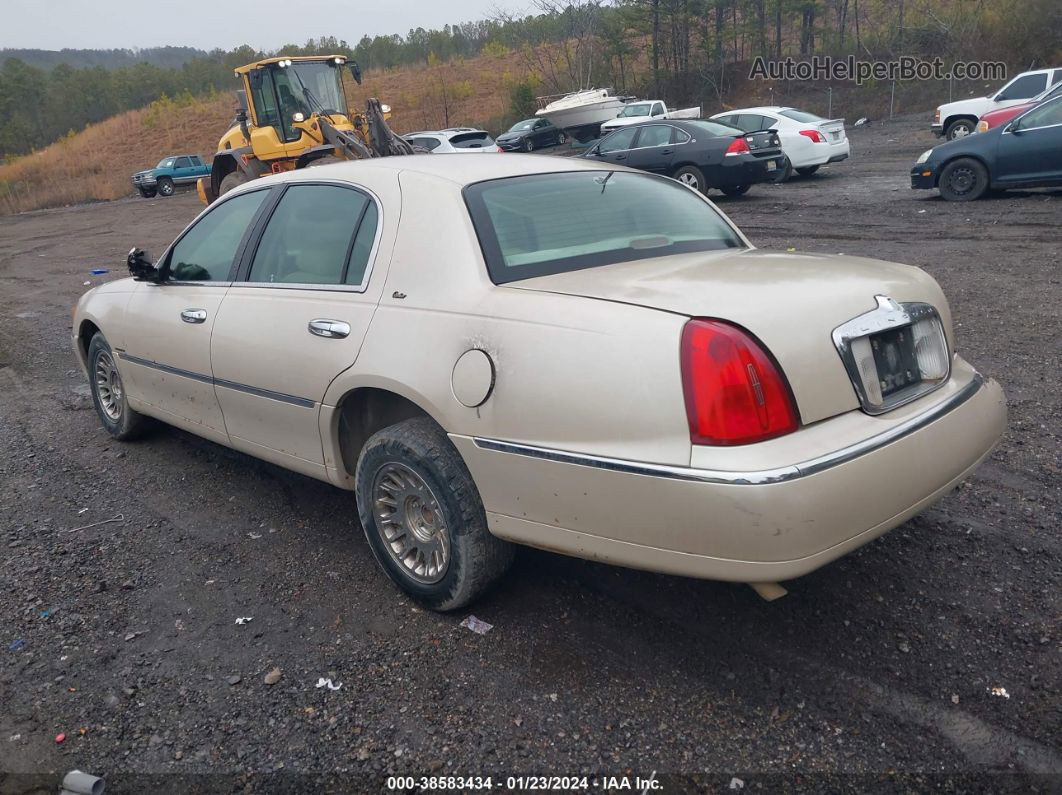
[809, 141]
[454, 140]
[958, 119]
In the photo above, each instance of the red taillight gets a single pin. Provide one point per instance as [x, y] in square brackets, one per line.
[735, 394]
[814, 135]
[738, 146]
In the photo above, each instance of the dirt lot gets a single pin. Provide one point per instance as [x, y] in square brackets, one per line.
[875, 673]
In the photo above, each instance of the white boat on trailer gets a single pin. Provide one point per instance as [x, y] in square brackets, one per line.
[581, 109]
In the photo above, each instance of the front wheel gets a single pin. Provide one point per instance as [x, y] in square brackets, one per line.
[108, 393]
[561, 139]
[692, 177]
[735, 190]
[807, 171]
[963, 180]
[147, 193]
[423, 516]
[165, 186]
[960, 128]
[529, 145]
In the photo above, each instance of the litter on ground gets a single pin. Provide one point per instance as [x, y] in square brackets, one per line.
[323, 682]
[477, 626]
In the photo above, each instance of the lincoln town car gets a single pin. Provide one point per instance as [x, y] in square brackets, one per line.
[570, 355]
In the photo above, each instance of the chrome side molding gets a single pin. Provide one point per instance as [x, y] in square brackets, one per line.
[749, 478]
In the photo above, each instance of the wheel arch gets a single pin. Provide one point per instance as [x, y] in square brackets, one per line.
[965, 155]
[86, 330]
[360, 412]
[955, 117]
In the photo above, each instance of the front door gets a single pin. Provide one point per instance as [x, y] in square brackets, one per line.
[1030, 148]
[294, 319]
[616, 147]
[167, 350]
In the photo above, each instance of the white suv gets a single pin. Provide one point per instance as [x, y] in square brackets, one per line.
[958, 119]
[454, 140]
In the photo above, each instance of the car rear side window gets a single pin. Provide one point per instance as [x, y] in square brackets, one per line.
[206, 251]
[476, 140]
[313, 237]
[552, 223]
[426, 143]
[654, 135]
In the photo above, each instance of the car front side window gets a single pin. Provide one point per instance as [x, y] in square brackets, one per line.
[618, 142]
[205, 253]
[1025, 87]
[1046, 115]
[318, 234]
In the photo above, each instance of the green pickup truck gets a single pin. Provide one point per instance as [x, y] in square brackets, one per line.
[171, 171]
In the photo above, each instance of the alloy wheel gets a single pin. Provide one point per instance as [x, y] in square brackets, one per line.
[410, 523]
[108, 383]
[691, 180]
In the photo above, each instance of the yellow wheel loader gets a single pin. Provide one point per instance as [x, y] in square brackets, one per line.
[293, 114]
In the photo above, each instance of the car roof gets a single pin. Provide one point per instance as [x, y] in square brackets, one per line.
[451, 168]
[757, 109]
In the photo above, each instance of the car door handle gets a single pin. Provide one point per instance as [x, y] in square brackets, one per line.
[322, 327]
[621, 157]
[194, 315]
[667, 151]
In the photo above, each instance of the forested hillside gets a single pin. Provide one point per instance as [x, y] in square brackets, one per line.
[166, 57]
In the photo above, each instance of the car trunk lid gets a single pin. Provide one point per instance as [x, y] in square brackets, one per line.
[791, 302]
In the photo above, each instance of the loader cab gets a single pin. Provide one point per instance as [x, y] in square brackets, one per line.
[278, 89]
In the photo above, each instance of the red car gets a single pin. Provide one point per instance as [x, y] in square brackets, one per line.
[994, 118]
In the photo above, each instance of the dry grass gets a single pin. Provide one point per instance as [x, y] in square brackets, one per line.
[96, 163]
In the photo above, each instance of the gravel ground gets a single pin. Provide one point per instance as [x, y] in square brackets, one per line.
[875, 673]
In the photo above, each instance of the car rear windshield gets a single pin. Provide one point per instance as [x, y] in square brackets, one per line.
[712, 127]
[476, 140]
[799, 115]
[553, 223]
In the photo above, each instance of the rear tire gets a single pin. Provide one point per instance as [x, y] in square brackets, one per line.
[108, 394]
[423, 516]
[963, 180]
[231, 181]
[692, 177]
[735, 190]
[807, 171]
[165, 186]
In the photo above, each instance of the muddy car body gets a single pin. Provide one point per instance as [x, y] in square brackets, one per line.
[569, 355]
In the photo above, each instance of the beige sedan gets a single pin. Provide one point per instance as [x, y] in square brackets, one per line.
[576, 357]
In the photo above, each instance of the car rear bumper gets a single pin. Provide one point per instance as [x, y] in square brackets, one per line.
[744, 170]
[752, 526]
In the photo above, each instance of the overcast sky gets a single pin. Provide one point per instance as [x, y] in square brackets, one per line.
[106, 24]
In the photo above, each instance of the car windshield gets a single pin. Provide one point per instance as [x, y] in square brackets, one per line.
[520, 126]
[640, 109]
[166, 162]
[553, 223]
[799, 115]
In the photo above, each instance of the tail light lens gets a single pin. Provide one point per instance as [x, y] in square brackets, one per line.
[735, 393]
[814, 135]
[738, 146]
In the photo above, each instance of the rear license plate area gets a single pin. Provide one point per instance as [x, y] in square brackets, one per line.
[895, 360]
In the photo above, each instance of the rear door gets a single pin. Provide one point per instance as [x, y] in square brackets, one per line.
[653, 149]
[295, 318]
[167, 349]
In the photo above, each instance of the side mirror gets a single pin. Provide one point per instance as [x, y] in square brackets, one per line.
[140, 266]
[355, 71]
